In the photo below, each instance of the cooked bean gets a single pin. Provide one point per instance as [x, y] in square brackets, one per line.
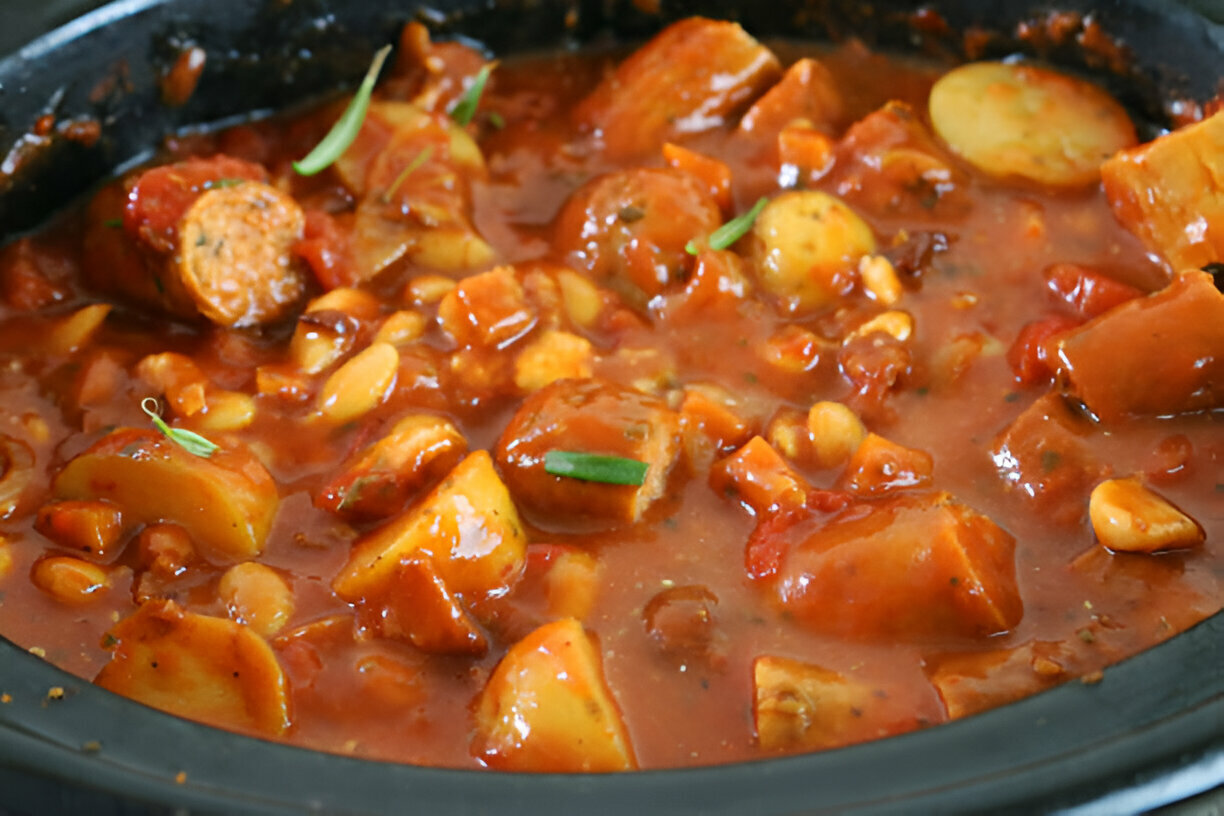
[258, 596]
[70, 580]
[1128, 517]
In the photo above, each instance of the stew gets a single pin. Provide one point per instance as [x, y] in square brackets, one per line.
[716, 401]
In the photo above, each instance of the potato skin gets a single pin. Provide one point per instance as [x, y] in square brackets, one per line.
[1017, 120]
[590, 416]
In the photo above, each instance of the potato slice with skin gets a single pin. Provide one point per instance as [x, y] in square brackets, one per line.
[916, 565]
[467, 523]
[1012, 119]
[226, 502]
[807, 246]
[798, 706]
[234, 255]
[200, 667]
[546, 707]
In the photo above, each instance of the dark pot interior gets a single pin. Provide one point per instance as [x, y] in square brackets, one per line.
[1151, 732]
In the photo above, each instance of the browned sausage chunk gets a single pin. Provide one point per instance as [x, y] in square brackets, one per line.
[589, 416]
[693, 76]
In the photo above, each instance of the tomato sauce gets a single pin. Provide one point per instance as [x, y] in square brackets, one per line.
[987, 454]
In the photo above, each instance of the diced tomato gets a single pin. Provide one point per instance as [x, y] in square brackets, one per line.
[1027, 356]
[1086, 290]
[324, 248]
[768, 543]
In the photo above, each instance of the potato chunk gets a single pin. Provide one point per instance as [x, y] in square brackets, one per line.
[693, 76]
[467, 524]
[912, 566]
[797, 706]
[807, 245]
[1170, 192]
[1011, 119]
[588, 416]
[226, 502]
[1162, 354]
[234, 256]
[546, 707]
[200, 667]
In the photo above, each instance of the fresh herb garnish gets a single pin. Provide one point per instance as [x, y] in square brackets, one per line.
[113, 223]
[591, 467]
[345, 130]
[465, 108]
[416, 162]
[189, 441]
[496, 120]
[732, 231]
[222, 183]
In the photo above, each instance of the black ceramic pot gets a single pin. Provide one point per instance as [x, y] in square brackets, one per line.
[1150, 733]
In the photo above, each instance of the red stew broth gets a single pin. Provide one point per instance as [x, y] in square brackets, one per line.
[384, 699]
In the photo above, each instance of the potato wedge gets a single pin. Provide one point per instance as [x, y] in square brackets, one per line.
[226, 502]
[547, 708]
[1013, 119]
[199, 667]
[807, 246]
[467, 524]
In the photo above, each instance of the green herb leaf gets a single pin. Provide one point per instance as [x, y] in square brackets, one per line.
[590, 467]
[222, 183]
[113, 223]
[496, 120]
[732, 231]
[465, 108]
[416, 162]
[189, 441]
[345, 130]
